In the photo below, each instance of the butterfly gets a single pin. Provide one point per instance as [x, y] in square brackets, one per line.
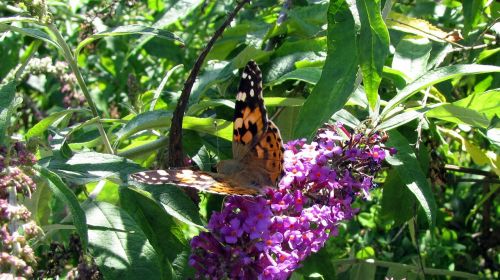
[257, 148]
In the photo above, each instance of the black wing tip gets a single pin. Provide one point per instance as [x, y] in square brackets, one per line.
[252, 68]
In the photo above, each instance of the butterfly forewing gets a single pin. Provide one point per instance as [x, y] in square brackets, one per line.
[250, 115]
[203, 181]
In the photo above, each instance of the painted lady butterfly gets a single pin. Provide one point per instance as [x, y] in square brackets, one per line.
[257, 149]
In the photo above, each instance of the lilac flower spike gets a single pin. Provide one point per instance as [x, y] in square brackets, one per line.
[268, 237]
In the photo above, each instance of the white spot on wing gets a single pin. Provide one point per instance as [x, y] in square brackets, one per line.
[241, 96]
[244, 75]
[252, 93]
[162, 173]
[205, 177]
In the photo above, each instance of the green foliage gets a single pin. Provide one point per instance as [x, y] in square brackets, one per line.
[92, 88]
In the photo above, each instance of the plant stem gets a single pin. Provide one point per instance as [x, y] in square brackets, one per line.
[451, 167]
[68, 55]
[175, 151]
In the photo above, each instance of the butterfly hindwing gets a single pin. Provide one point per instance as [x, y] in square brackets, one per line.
[268, 152]
[203, 181]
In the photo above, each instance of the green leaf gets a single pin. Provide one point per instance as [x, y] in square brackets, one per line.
[472, 10]
[161, 230]
[211, 76]
[35, 33]
[7, 107]
[216, 127]
[409, 171]
[177, 10]
[412, 55]
[309, 75]
[206, 104]
[434, 77]
[320, 262]
[42, 126]
[347, 118]
[39, 202]
[180, 266]
[339, 73]
[397, 271]
[241, 59]
[363, 270]
[283, 101]
[174, 201]
[128, 30]
[399, 78]
[486, 103]
[403, 118]
[459, 115]
[365, 253]
[281, 66]
[372, 46]
[85, 167]
[64, 194]
[119, 246]
[144, 121]
[269, 101]
[397, 202]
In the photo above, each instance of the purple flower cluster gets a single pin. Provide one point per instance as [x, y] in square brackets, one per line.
[16, 227]
[267, 237]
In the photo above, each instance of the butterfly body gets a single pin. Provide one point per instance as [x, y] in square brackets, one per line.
[257, 149]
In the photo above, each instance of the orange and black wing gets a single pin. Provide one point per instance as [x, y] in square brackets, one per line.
[250, 115]
[268, 153]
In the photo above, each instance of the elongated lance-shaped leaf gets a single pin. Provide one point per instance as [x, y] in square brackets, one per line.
[128, 30]
[339, 73]
[64, 194]
[372, 46]
[35, 33]
[434, 77]
[409, 171]
[119, 246]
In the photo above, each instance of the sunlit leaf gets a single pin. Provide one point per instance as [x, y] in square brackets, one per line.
[147, 120]
[309, 75]
[161, 230]
[412, 55]
[409, 171]
[415, 26]
[174, 201]
[84, 167]
[434, 77]
[216, 127]
[372, 46]
[337, 79]
[66, 195]
[119, 246]
[177, 10]
[42, 126]
[35, 33]
[128, 30]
